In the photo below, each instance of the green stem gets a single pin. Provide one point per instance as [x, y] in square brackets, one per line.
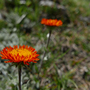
[48, 40]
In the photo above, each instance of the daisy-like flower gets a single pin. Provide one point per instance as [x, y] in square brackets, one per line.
[19, 54]
[51, 22]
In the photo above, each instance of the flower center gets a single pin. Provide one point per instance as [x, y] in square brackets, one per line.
[21, 52]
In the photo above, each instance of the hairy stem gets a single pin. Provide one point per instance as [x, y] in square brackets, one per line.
[19, 75]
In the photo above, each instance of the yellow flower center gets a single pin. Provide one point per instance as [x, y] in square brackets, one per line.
[21, 52]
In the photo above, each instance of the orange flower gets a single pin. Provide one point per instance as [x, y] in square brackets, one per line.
[19, 54]
[51, 22]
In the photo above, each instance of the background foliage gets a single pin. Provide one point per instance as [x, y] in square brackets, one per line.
[66, 64]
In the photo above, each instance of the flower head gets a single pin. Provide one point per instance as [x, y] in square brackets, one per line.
[19, 54]
[51, 22]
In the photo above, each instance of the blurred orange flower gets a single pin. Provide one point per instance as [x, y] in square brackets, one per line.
[51, 22]
[19, 54]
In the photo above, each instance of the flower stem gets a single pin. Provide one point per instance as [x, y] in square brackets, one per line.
[19, 75]
[48, 40]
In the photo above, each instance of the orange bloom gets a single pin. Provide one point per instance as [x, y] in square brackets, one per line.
[19, 54]
[51, 22]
